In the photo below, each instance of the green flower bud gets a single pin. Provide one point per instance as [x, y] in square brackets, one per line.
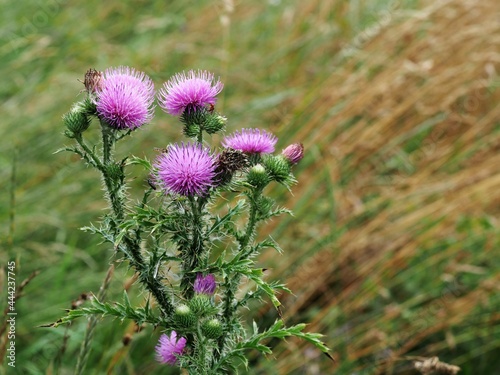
[211, 328]
[201, 306]
[76, 122]
[184, 316]
[214, 123]
[257, 176]
[278, 167]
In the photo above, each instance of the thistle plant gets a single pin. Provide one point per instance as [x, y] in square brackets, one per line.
[198, 216]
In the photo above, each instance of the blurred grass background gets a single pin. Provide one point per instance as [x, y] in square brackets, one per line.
[393, 250]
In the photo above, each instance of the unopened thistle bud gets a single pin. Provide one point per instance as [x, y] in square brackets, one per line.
[184, 316]
[257, 176]
[294, 153]
[211, 328]
[278, 168]
[214, 123]
[200, 305]
[76, 122]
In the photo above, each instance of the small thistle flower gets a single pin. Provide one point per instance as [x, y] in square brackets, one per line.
[294, 153]
[204, 284]
[169, 348]
[126, 98]
[186, 169]
[189, 91]
[251, 141]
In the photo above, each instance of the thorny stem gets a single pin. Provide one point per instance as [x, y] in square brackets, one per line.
[114, 192]
[194, 251]
[231, 283]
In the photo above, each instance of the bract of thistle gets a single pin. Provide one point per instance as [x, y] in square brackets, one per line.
[189, 91]
[126, 97]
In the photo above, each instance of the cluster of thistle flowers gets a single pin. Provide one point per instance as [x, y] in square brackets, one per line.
[123, 100]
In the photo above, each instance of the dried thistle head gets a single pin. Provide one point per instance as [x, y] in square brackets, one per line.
[93, 81]
[228, 163]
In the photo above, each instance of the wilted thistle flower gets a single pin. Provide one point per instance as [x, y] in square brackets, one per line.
[251, 141]
[228, 162]
[294, 153]
[169, 348]
[126, 98]
[189, 91]
[186, 169]
[93, 81]
[204, 284]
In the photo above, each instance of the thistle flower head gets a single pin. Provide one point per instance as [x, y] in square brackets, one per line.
[204, 284]
[189, 91]
[293, 153]
[169, 348]
[125, 99]
[186, 169]
[251, 141]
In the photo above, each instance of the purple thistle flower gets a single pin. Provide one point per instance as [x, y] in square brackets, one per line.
[204, 284]
[125, 100]
[294, 153]
[169, 348]
[186, 169]
[190, 91]
[251, 141]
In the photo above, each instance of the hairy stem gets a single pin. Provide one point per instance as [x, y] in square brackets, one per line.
[232, 281]
[193, 257]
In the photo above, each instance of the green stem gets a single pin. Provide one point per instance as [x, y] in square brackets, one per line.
[200, 137]
[195, 251]
[231, 282]
[108, 141]
[252, 221]
[114, 188]
[202, 354]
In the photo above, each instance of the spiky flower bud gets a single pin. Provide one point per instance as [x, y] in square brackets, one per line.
[184, 316]
[76, 122]
[257, 176]
[211, 328]
[200, 305]
[278, 168]
[214, 123]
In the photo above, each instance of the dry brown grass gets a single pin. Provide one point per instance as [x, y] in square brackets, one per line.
[434, 72]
